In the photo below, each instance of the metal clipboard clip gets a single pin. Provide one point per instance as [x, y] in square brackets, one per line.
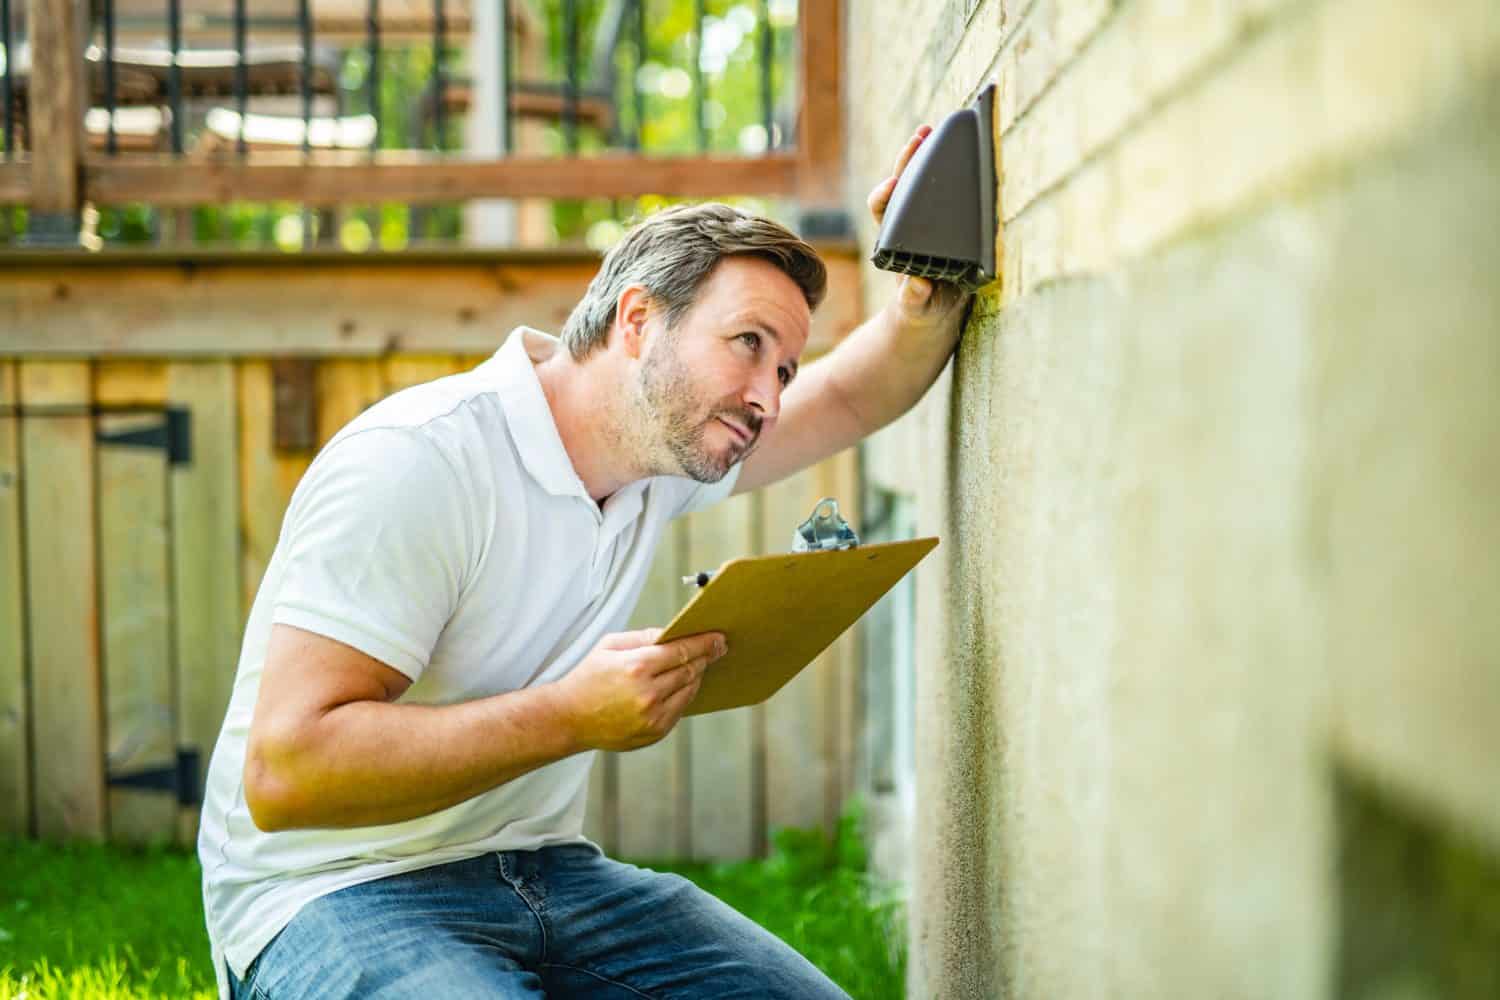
[825, 530]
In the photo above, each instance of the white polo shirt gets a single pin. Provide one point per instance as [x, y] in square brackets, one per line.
[445, 533]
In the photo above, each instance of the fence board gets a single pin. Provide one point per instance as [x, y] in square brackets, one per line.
[838, 477]
[404, 370]
[15, 771]
[130, 383]
[721, 745]
[652, 823]
[346, 388]
[205, 558]
[62, 605]
[798, 769]
[290, 467]
[141, 729]
[260, 502]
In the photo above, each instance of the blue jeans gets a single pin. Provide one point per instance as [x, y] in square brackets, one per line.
[562, 921]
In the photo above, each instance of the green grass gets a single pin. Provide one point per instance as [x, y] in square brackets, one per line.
[817, 897]
[85, 922]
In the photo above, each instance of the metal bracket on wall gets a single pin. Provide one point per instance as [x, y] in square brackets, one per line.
[173, 435]
[181, 778]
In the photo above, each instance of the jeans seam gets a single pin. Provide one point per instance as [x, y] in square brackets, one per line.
[515, 883]
[601, 977]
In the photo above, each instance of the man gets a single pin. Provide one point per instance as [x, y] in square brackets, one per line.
[396, 799]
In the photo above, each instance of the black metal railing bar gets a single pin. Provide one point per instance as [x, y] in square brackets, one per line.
[372, 77]
[439, 83]
[174, 72]
[305, 33]
[241, 74]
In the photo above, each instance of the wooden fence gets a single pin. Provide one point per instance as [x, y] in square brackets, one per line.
[140, 501]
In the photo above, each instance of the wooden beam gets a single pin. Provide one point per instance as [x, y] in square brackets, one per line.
[348, 176]
[820, 135]
[56, 115]
[334, 21]
[315, 304]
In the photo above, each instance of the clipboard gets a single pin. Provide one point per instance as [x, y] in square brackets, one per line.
[778, 612]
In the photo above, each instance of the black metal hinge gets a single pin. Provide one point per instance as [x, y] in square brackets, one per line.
[180, 779]
[173, 435]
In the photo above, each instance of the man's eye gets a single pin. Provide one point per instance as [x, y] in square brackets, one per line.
[785, 374]
[752, 340]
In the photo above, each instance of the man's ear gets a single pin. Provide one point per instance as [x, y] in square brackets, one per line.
[632, 310]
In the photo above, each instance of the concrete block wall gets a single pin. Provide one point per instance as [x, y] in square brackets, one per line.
[1216, 469]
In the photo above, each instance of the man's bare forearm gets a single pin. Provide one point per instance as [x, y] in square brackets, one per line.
[366, 762]
[885, 366]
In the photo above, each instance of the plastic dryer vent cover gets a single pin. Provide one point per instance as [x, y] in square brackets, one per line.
[940, 222]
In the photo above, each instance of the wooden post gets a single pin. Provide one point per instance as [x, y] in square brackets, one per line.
[55, 113]
[820, 132]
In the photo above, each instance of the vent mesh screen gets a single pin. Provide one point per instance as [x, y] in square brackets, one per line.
[960, 272]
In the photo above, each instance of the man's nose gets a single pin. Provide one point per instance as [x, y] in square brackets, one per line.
[764, 395]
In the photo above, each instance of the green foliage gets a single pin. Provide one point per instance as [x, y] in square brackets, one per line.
[108, 923]
[817, 896]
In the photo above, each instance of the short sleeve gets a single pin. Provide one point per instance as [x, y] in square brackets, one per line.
[376, 547]
[701, 495]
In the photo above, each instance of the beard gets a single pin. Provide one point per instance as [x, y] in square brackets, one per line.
[681, 418]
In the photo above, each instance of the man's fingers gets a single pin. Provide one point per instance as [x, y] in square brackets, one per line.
[630, 640]
[681, 699]
[671, 681]
[678, 653]
[881, 196]
[910, 149]
[915, 291]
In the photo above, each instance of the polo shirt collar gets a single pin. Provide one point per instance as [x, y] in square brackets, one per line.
[534, 430]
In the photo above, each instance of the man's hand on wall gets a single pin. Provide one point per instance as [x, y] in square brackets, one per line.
[629, 693]
[921, 303]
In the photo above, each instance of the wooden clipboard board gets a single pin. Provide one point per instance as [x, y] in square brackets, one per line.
[779, 612]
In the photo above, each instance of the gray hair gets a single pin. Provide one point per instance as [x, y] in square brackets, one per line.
[672, 252]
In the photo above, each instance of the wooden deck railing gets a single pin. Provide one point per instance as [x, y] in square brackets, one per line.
[58, 172]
